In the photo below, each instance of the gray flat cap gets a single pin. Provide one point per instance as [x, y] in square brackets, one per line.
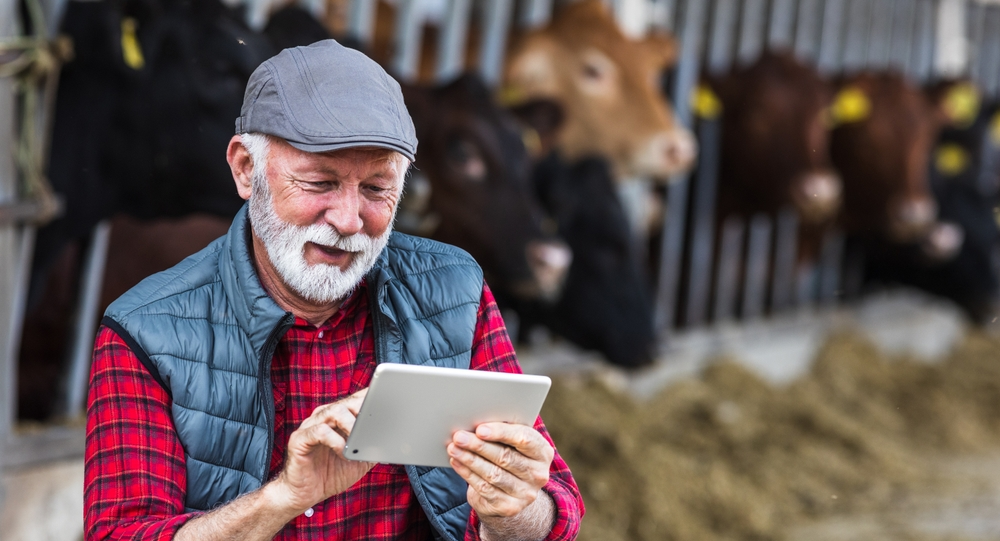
[327, 97]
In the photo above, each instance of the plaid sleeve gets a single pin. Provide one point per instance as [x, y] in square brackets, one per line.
[135, 476]
[493, 350]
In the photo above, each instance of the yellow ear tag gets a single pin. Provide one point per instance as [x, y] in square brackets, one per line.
[961, 104]
[995, 129]
[131, 51]
[951, 159]
[532, 142]
[705, 104]
[849, 105]
[510, 95]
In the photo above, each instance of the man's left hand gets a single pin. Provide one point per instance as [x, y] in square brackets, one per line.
[506, 466]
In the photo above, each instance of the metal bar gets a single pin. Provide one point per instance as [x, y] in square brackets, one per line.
[720, 46]
[831, 258]
[752, 28]
[727, 273]
[976, 25]
[830, 50]
[991, 53]
[924, 43]
[451, 42]
[856, 44]
[785, 248]
[703, 223]
[880, 34]
[780, 30]
[316, 7]
[534, 13]
[806, 285]
[15, 326]
[668, 277]
[74, 391]
[900, 50]
[758, 255]
[662, 15]
[807, 28]
[361, 20]
[409, 30]
[496, 20]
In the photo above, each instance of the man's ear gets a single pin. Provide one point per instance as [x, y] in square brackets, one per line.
[241, 165]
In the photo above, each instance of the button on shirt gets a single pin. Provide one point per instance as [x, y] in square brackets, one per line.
[135, 474]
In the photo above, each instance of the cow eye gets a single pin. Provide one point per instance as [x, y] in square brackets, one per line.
[597, 72]
[464, 156]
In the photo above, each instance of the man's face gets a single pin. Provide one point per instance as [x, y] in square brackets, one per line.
[324, 218]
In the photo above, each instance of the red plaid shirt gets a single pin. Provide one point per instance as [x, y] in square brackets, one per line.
[135, 474]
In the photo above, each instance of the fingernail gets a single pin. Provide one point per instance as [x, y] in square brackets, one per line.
[454, 451]
[483, 431]
[462, 437]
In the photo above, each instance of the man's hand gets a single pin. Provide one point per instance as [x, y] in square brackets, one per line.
[506, 466]
[315, 467]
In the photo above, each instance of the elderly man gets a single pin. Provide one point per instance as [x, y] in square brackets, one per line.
[223, 389]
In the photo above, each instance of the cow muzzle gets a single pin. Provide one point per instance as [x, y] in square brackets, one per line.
[666, 154]
[549, 262]
[817, 196]
[943, 242]
[910, 219]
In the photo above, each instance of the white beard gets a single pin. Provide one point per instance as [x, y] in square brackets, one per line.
[285, 245]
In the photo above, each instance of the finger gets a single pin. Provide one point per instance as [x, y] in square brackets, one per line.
[524, 438]
[495, 475]
[317, 435]
[486, 499]
[535, 472]
[336, 416]
[353, 402]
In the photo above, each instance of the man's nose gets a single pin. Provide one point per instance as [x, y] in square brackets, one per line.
[344, 213]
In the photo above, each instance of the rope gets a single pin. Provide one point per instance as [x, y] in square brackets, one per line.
[34, 61]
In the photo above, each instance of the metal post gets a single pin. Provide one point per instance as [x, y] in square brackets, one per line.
[534, 13]
[831, 258]
[727, 275]
[720, 46]
[361, 21]
[923, 60]
[856, 41]
[752, 27]
[668, 277]
[785, 248]
[807, 28]
[74, 391]
[880, 34]
[496, 20]
[780, 30]
[991, 53]
[976, 25]
[758, 256]
[703, 223]
[409, 33]
[661, 15]
[830, 51]
[900, 50]
[451, 42]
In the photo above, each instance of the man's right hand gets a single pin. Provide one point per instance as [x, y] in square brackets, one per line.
[315, 467]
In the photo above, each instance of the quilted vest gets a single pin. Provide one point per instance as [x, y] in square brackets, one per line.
[206, 330]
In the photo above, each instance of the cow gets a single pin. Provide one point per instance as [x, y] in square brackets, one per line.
[606, 304]
[473, 159]
[775, 145]
[885, 130]
[610, 86]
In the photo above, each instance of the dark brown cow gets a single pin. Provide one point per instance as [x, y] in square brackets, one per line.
[881, 146]
[775, 141]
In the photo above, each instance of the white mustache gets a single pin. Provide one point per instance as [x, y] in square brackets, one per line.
[328, 237]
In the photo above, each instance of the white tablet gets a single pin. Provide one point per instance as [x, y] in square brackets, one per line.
[410, 412]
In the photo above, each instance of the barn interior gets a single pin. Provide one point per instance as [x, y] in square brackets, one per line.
[754, 243]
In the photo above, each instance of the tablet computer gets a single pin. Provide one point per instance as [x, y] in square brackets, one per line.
[410, 412]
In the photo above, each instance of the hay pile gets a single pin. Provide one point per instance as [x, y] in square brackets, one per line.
[729, 457]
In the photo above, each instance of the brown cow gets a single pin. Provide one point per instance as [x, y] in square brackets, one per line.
[610, 87]
[775, 140]
[881, 146]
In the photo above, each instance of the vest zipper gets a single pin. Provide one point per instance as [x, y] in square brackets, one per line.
[264, 385]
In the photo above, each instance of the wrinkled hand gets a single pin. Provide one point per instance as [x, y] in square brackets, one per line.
[315, 467]
[506, 466]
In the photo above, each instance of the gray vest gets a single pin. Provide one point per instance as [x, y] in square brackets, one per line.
[206, 330]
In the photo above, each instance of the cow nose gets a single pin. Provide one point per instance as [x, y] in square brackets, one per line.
[549, 262]
[943, 242]
[679, 150]
[818, 195]
[912, 217]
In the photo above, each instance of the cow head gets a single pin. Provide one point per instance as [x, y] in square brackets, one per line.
[775, 138]
[886, 128]
[610, 86]
[473, 158]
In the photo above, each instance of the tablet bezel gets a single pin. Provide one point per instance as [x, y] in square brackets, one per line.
[411, 412]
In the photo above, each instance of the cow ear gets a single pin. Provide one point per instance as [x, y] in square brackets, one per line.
[541, 120]
[664, 48]
[531, 70]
